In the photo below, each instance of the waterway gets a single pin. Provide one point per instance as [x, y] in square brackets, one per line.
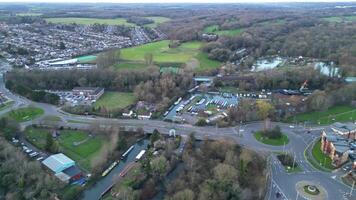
[94, 193]
[267, 63]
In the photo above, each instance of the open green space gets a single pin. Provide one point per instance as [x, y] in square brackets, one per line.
[89, 21]
[25, 114]
[275, 142]
[115, 100]
[320, 157]
[339, 19]
[130, 65]
[78, 145]
[161, 52]
[216, 30]
[6, 105]
[157, 21]
[274, 22]
[333, 114]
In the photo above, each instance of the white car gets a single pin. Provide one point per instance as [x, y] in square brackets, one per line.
[33, 154]
[28, 150]
[39, 158]
[291, 126]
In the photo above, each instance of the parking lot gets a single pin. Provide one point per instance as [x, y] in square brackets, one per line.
[31, 151]
[69, 97]
[190, 109]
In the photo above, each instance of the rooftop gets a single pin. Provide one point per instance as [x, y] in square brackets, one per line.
[58, 162]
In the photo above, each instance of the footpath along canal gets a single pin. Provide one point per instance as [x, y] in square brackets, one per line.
[95, 192]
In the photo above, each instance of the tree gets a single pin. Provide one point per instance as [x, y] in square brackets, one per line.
[121, 144]
[62, 45]
[185, 194]
[159, 166]
[264, 110]
[155, 136]
[318, 101]
[49, 143]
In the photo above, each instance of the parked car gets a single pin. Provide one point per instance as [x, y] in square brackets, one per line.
[39, 158]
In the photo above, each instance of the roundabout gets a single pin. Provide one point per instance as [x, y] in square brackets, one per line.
[311, 190]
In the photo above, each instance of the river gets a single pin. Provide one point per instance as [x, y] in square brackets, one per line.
[94, 193]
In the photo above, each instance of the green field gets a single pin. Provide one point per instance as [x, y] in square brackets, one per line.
[115, 100]
[163, 54]
[130, 65]
[333, 114]
[320, 157]
[340, 19]
[6, 105]
[275, 142]
[77, 145]
[88, 21]
[157, 21]
[25, 114]
[216, 30]
[84, 152]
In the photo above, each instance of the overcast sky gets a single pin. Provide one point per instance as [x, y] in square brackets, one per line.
[174, 1]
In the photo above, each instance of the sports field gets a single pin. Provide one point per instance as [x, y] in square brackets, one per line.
[78, 145]
[186, 52]
[333, 114]
[115, 100]
[157, 20]
[25, 114]
[88, 21]
[216, 30]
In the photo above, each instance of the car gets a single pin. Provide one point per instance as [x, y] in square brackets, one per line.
[291, 126]
[278, 194]
[346, 168]
[39, 158]
[33, 154]
[28, 150]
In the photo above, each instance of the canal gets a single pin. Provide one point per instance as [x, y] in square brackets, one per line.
[94, 193]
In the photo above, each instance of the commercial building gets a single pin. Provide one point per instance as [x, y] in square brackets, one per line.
[63, 168]
[92, 93]
[58, 162]
[338, 142]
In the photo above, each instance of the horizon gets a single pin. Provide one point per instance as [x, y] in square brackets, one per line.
[174, 1]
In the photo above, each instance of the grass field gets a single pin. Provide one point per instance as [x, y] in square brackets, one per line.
[275, 142]
[87, 59]
[163, 54]
[115, 100]
[157, 21]
[320, 157]
[25, 114]
[6, 105]
[88, 21]
[85, 151]
[216, 30]
[77, 145]
[333, 114]
[130, 65]
[340, 19]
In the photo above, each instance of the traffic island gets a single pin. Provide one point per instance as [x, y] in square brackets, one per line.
[278, 141]
[311, 190]
[289, 163]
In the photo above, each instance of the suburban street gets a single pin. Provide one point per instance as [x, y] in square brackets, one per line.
[281, 181]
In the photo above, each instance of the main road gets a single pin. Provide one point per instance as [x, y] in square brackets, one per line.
[281, 181]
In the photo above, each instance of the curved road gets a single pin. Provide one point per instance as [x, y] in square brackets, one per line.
[280, 180]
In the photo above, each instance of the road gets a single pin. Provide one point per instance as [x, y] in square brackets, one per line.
[280, 180]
